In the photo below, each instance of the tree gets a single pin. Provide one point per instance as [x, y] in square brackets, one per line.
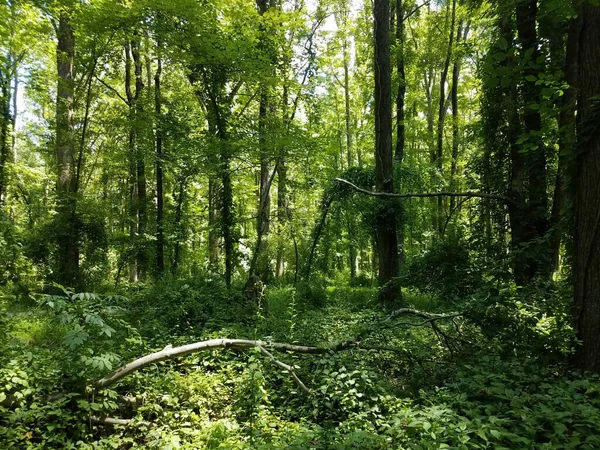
[387, 241]
[587, 190]
[66, 187]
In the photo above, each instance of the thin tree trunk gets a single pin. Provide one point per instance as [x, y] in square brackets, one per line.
[537, 255]
[587, 193]
[132, 173]
[213, 224]
[160, 238]
[142, 203]
[387, 243]
[263, 222]
[455, 127]
[400, 70]
[350, 220]
[566, 128]
[439, 157]
[178, 224]
[5, 120]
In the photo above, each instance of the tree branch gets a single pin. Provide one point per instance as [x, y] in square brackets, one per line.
[243, 344]
[428, 194]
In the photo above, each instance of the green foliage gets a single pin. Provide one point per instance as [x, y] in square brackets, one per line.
[446, 269]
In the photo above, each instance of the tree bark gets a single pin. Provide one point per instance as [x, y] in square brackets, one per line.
[439, 156]
[587, 193]
[455, 120]
[400, 69]
[68, 235]
[142, 202]
[263, 222]
[536, 257]
[566, 143]
[387, 243]
[160, 238]
[5, 120]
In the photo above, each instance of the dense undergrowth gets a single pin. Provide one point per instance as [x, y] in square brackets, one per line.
[494, 378]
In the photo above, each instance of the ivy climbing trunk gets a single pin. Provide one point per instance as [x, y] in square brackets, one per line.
[66, 189]
[533, 255]
[387, 243]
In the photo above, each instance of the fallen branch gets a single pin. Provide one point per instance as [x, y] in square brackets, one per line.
[243, 344]
[428, 194]
[113, 421]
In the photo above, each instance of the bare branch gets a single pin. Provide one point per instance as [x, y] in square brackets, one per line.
[285, 367]
[108, 86]
[112, 421]
[427, 194]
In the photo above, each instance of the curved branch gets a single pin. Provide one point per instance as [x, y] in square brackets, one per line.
[503, 198]
[243, 344]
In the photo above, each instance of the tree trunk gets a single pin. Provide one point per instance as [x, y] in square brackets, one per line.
[263, 222]
[566, 128]
[587, 193]
[439, 157]
[160, 238]
[213, 224]
[179, 231]
[352, 253]
[5, 120]
[400, 69]
[537, 256]
[455, 127]
[132, 172]
[387, 244]
[68, 245]
[142, 202]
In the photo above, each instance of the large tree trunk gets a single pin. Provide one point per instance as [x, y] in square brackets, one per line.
[387, 243]
[68, 239]
[587, 193]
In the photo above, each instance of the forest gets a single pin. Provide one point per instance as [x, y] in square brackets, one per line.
[300, 224]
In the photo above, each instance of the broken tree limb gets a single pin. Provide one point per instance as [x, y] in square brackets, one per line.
[112, 421]
[502, 198]
[243, 344]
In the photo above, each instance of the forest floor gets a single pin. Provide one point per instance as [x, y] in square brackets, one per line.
[409, 384]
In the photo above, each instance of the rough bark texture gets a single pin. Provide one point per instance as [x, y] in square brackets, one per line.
[587, 193]
[68, 245]
[387, 243]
